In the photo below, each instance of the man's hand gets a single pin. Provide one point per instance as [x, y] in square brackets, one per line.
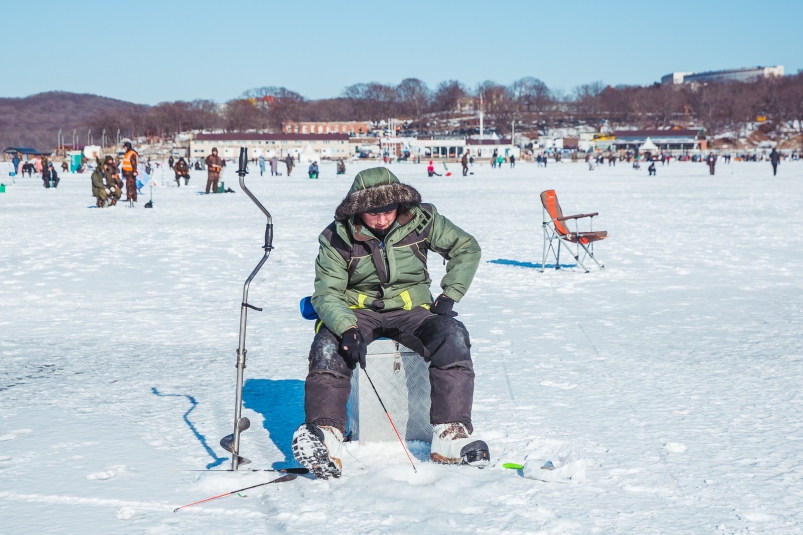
[443, 306]
[352, 348]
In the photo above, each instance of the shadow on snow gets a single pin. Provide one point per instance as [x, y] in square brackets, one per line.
[281, 404]
[530, 265]
[202, 439]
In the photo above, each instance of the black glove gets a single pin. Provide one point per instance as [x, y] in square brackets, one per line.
[443, 306]
[352, 348]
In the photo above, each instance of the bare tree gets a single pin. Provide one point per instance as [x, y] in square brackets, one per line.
[448, 95]
[531, 93]
[414, 97]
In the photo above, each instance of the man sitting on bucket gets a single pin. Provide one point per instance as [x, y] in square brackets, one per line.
[371, 281]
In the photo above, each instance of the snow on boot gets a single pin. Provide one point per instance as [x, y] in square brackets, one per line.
[452, 444]
[318, 449]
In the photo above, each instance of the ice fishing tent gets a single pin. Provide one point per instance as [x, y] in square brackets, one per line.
[76, 158]
[92, 151]
[308, 155]
[648, 146]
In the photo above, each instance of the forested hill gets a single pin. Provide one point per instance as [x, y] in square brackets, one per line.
[34, 121]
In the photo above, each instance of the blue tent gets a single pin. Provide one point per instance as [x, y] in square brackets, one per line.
[24, 151]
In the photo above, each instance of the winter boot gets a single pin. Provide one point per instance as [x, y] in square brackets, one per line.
[178, 182]
[452, 444]
[318, 449]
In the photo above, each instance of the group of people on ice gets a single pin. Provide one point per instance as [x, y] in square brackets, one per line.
[42, 166]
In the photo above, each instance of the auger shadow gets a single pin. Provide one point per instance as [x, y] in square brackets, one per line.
[202, 439]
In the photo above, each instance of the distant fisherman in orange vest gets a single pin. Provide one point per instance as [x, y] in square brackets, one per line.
[130, 172]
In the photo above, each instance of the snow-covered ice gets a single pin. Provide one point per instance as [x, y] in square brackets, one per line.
[675, 372]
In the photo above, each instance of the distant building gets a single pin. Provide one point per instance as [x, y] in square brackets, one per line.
[484, 148]
[675, 78]
[746, 74]
[679, 139]
[353, 128]
[269, 145]
[24, 153]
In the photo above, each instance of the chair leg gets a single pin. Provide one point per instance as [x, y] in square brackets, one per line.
[557, 257]
[601, 266]
[543, 256]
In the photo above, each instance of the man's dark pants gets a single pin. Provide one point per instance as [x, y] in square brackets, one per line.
[440, 340]
[130, 186]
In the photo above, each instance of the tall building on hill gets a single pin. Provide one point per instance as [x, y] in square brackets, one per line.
[746, 74]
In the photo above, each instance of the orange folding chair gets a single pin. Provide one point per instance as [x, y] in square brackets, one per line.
[555, 229]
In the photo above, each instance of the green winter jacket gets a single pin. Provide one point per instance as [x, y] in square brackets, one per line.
[355, 270]
[97, 181]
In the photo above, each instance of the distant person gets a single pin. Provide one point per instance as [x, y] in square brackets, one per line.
[112, 178]
[274, 166]
[182, 170]
[46, 174]
[499, 160]
[130, 162]
[464, 163]
[341, 166]
[16, 163]
[54, 176]
[213, 166]
[711, 160]
[651, 168]
[261, 165]
[313, 170]
[289, 163]
[100, 180]
[170, 162]
[512, 161]
[431, 169]
[775, 160]
[493, 158]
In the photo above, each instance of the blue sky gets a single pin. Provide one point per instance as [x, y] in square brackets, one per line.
[149, 51]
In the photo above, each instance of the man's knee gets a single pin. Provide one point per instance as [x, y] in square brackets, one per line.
[447, 342]
[324, 357]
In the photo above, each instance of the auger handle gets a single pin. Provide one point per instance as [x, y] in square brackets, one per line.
[243, 170]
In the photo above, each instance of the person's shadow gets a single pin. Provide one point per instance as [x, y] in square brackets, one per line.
[281, 404]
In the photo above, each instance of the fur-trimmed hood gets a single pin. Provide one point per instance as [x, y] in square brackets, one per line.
[374, 188]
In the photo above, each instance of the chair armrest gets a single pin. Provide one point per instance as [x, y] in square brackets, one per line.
[578, 216]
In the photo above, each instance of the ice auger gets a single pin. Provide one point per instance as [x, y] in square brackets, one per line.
[231, 443]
